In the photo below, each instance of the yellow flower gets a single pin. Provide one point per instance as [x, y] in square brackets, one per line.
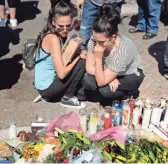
[36, 154]
[38, 147]
[26, 157]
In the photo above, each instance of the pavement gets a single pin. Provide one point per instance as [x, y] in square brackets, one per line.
[16, 85]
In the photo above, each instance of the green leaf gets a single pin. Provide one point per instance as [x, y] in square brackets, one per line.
[151, 156]
[120, 145]
[166, 150]
[62, 147]
[86, 141]
[156, 162]
[64, 141]
[107, 156]
[85, 147]
[66, 152]
[118, 161]
[50, 159]
[112, 155]
[78, 144]
[120, 158]
[79, 135]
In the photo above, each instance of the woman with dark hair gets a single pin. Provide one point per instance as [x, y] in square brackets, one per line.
[91, 9]
[113, 64]
[53, 80]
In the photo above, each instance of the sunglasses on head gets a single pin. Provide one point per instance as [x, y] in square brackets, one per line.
[66, 27]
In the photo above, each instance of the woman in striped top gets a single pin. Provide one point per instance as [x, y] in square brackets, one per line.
[113, 64]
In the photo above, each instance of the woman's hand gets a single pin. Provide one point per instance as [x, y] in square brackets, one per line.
[114, 85]
[76, 60]
[83, 54]
[99, 51]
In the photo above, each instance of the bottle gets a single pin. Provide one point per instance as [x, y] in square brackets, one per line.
[140, 105]
[118, 117]
[116, 105]
[136, 116]
[116, 114]
[93, 122]
[132, 106]
[166, 116]
[147, 102]
[101, 111]
[126, 116]
[83, 120]
[146, 118]
[156, 115]
[12, 131]
[107, 121]
[113, 119]
[163, 102]
[123, 103]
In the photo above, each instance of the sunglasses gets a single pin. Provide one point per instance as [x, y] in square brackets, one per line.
[101, 43]
[66, 27]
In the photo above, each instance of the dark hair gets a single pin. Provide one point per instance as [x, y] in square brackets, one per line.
[55, 2]
[60, 8]
[108, 20]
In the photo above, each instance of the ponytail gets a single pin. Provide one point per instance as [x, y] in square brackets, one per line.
[108, 20]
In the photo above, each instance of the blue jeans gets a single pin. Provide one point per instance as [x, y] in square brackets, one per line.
[90, 13]
[149, 15]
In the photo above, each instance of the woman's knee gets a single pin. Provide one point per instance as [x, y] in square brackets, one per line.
[89, 83]
[104, 91]
[107, 93]
[80, 66]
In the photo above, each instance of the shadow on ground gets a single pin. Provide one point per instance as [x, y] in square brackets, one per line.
[8, 36]
[10, 70]
[157, 51]
[164, 18]
[134, 20]
[27, 10]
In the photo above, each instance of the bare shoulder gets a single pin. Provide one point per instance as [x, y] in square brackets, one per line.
[52, 39]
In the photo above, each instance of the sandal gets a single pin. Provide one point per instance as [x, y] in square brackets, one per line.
[134, 30]
[148, 36]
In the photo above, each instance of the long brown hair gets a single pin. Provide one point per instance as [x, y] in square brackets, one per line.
[60, 8]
